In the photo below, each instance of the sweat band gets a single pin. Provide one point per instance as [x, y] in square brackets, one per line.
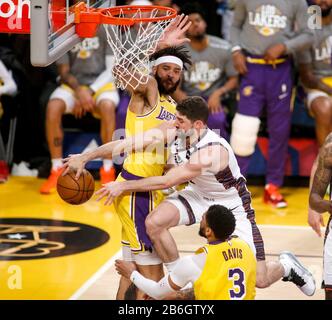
[169, 59]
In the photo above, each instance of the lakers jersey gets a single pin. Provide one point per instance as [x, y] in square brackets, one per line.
[229, 272]
[149, 162]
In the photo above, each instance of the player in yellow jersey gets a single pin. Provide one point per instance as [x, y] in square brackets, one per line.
[150, 106]
[224, 269]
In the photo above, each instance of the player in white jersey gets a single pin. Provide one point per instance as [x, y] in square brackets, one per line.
[207, 162]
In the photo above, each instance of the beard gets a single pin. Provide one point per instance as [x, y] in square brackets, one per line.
[201, 232]
[162, 89]
[185, 136]
[199, 37]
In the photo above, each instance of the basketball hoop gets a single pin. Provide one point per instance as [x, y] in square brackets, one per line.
[132, 32]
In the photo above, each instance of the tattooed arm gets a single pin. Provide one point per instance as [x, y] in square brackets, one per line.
[322, 179]
[187, 294]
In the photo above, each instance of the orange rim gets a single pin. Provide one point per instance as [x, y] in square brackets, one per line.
[83, 14]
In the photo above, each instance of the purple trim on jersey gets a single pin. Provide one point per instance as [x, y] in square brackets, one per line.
[189, 209]
[140, 208]
[226, 178]
[129, 176]
[216, 242]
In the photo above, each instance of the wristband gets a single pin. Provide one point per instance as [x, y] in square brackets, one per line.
[235, 49]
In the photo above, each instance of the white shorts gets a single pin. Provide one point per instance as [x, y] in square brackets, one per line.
[65, 94]
[327, 272]
[192, 206]
[145, 258]
[314, 94]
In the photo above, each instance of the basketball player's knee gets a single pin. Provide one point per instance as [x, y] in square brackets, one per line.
[323, 111]
[153, 227]
[244, 134]
[55, 109]
[106, 107]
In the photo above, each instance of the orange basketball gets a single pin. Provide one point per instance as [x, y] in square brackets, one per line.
[76, 191]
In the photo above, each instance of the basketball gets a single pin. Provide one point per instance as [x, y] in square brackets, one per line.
[76, 191]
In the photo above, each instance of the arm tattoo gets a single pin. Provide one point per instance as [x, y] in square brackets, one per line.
[187, 294]
[57, 142]
[323, 173]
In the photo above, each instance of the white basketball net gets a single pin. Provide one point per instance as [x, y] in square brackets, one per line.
[132, 47]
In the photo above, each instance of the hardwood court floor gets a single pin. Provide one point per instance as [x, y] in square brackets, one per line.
[90, 274]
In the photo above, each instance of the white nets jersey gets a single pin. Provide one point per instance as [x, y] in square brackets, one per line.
[212, 185]
[226, 187]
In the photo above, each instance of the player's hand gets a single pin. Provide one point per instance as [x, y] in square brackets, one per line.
[74, 162]
[240, 62]
[214, 103]
[125, 268]
[174, 33]
[110, 190]
[274, 52]
[315, 220]
[78, 110]
[85, 97]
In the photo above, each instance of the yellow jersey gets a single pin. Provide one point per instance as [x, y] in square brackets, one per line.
[229, 272]
[149, 162]
[327, 81]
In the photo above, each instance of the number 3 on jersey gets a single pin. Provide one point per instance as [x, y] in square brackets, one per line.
[238, 277]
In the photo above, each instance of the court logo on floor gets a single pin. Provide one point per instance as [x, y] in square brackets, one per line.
[25, 239]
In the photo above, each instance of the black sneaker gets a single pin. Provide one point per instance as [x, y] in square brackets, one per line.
[298, 274]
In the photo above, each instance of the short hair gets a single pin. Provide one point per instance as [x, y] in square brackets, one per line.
[194, 108]
[180, 52]
[221, 220]
[193, 7]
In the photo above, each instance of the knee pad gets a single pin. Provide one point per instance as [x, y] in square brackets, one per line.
[244, 134]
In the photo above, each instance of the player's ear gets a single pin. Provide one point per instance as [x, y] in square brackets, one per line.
[154, 70]
[208, 231]
[198, 124]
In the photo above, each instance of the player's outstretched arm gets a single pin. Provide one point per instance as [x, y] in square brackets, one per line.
[161, 134]
[185, 271]
[156, 290]
[173, 177]
[322, 179]
[174, 33]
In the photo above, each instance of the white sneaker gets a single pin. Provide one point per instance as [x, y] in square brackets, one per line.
[298, 274]
[22, 170]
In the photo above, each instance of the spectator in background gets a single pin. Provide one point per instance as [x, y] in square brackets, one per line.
[264, 38]
[7, 88]
[226, 11]
[86, 86]
[212, 75]
[34, 88]
[315, 67]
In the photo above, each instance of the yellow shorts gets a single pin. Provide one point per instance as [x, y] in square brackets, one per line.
[132, 209]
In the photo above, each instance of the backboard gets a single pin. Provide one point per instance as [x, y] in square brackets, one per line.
[52, 28]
